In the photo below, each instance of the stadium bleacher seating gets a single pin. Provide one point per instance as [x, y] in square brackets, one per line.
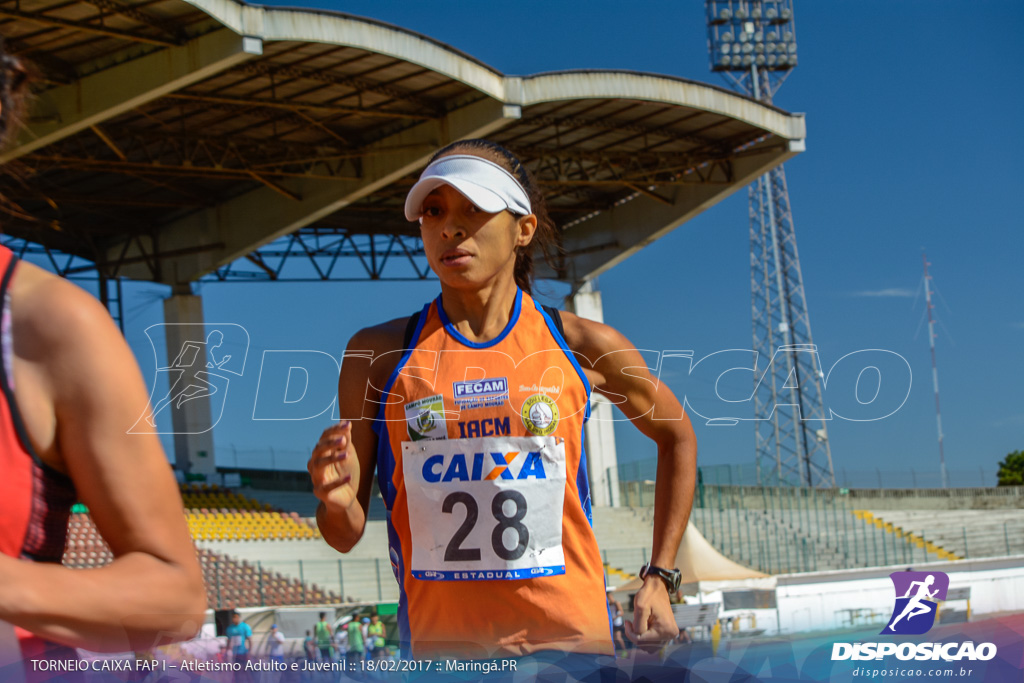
[85, 547]
[256, 554]
[230, 582]
[226, 525]
[961, 534]
[215, 513]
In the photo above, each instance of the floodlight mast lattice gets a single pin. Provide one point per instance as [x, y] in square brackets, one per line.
[753, 44]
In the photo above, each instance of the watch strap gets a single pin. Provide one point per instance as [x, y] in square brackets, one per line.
[671, 577]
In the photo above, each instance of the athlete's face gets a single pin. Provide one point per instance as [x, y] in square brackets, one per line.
[466, 247]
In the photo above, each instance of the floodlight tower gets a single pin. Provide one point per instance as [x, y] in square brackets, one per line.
[753, 44]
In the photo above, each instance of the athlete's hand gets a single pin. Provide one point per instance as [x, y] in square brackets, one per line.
[334, 467]
[653, 623]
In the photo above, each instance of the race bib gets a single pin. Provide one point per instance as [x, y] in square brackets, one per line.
[485, 509]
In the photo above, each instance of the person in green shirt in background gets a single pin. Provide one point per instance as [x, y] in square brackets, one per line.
[355, 644]
[377, 634]
[324, 638]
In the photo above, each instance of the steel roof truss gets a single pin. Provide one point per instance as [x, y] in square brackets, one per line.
[85, 27]
[105, 94]
[262, 215]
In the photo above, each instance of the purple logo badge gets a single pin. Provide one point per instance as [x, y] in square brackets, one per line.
[917, 597]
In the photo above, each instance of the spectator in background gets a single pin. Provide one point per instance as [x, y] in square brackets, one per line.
[276, 644]
[322, 630]
[309, 647]
[355, 644]
[341, 643]
[377, 635]
[310, 652]
[618, 623]
[239, 642]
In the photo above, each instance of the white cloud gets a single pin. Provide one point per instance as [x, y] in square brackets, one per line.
[892, 292]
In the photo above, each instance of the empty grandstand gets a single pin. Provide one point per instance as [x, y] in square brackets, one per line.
[786, 530]
[254, 553]
[230, 582]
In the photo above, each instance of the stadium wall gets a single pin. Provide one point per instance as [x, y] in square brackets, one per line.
[828, 601]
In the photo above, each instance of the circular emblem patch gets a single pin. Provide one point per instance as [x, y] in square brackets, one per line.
[425, 418]
[540, 415]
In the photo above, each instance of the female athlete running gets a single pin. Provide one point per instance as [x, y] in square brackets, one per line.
[472, 412]
[69, 392]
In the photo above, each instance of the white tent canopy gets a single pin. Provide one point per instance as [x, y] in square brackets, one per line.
[700, 563]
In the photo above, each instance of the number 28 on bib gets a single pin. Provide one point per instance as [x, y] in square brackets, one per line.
[485, 509]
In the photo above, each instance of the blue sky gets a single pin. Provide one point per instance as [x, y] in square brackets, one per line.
[914, 141]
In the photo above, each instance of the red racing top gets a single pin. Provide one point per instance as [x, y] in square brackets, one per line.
[35, 499]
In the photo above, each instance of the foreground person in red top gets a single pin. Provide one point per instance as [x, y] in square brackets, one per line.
[69, 392]
[472, 413]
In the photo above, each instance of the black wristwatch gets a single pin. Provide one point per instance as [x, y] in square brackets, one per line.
[671, 577]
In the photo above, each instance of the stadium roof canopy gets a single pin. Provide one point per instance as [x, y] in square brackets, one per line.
[174, 140]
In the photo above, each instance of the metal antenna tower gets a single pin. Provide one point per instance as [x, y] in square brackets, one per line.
[935, 369]
[753, 44]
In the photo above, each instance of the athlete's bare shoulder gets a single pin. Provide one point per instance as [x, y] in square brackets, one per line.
[617, 369]
[72, 367]
[608, 358]
[53, 317]
[381, 345]
[590, 338]
[381, 338]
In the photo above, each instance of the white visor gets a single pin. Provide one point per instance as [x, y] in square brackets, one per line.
[490, 187]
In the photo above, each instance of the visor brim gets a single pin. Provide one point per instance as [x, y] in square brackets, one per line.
[483, 198]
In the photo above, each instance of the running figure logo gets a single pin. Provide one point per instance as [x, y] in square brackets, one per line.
[201, 368]
[917, 598]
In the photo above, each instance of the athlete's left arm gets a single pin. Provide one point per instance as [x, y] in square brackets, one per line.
[91, 392]
[617, 370]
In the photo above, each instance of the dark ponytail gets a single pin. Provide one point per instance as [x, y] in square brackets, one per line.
[14, 80]
[547, 238]
[14, 87]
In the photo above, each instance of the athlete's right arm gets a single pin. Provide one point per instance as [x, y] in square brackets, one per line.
[342, 464]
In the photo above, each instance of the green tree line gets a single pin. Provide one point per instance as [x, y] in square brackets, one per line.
[1011, 470]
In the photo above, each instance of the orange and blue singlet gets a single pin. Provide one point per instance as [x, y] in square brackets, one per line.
[481, 465]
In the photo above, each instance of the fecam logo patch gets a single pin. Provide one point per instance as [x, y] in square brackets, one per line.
[482, 393]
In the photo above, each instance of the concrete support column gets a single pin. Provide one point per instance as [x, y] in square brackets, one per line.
[602, 461]
[188, 399]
